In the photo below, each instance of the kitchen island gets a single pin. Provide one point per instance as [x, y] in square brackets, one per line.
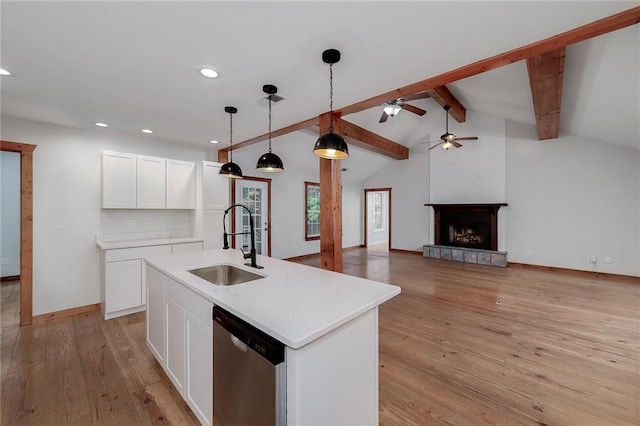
[327, 321]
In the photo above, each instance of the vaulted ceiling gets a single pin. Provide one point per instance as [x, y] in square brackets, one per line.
[134, 64]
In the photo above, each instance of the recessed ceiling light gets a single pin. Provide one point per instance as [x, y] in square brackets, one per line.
[214, 141]
[100, 124]
[147, 131]
[209, 72]
[4, 72]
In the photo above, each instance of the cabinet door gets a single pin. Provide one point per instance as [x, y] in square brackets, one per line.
[123, 285]
[215, 187]
[155, 313]
[151, 188]
[181, 184]
[118, 180]
[175, 326]
[200, 368]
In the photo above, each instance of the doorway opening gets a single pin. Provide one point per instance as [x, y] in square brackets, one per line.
[377, 219]
[26, 226]
[255, 194]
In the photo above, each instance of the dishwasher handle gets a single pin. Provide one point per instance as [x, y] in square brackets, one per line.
[257, 340]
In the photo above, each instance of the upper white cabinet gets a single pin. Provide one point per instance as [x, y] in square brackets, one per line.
[215, 187]
[181, 184]
[131, 181]
[151, 182]
[118, 180]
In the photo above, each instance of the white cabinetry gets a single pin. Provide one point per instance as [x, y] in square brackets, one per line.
[181, 184]
[118, 180]
[151, 182]
[184, 331]
[123, 283]
[215, 187]
[212, 228]
[155, 313]
[131, 181]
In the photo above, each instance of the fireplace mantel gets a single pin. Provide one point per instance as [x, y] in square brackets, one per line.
[444, 213]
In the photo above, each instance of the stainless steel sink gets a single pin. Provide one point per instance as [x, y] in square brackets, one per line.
[225, 275]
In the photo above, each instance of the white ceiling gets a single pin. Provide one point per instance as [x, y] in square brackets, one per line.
[134, 64]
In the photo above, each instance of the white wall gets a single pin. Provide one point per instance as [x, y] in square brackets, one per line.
[10, 213]
[67, 214]
[409, 183]
[571, 198]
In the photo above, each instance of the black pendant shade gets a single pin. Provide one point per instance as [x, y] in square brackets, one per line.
[231, 169]
[331, 145]
[269, 162]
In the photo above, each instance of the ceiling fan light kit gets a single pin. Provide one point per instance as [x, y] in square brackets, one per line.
[447, 140]
[331, 145]
[270, 162]
[231, 169]
[392, 108]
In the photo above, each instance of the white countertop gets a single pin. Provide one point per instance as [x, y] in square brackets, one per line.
[112, 245]
[294, 303]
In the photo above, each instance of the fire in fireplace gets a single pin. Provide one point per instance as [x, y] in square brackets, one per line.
[465, 234]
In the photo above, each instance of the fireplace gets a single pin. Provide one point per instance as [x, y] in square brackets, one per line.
[473, 226]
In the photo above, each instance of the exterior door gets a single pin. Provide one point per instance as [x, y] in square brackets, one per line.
[254, 194]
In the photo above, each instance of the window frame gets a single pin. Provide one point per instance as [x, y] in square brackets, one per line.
[307, 236]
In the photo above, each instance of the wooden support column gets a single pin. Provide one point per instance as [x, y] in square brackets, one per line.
[330, 203]
[26, 237]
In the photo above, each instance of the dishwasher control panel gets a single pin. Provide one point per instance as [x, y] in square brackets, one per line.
[265, 345]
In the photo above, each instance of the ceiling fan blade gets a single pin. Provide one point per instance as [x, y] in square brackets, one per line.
[422, 95]
[383, 117]
[467, 138]
[456, 144]
[438, 144]
[415, 110]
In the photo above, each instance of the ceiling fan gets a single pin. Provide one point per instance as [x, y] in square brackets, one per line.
[393, 107]
[447, 140]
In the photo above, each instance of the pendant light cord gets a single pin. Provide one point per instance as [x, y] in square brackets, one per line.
[331, 97]
[270, 96]
[231, 137]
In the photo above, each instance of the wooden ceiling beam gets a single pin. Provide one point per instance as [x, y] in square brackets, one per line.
[443, 96]
[370, 141]
[602, 26]
[546, 75]
[274, 134]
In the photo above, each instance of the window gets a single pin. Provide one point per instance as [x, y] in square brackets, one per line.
[378, 224]
[311, 211]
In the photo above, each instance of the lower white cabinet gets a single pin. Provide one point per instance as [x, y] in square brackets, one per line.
[123, 276]
[179, 323]
[124, 289]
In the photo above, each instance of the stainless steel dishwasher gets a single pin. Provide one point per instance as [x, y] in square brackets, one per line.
[249, 374]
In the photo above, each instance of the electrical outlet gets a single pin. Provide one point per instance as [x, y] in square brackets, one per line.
[129, 224]
[608, 259]
[528, 252]
[593, 258]
[5, 261]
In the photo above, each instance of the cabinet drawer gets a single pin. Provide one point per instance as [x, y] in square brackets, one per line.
[199, 307]
[136, 253]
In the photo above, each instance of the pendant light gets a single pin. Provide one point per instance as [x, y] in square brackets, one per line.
[269, 162]
[231, 169]
[331, 145]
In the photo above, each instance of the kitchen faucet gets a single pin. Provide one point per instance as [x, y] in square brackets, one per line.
[252, 254]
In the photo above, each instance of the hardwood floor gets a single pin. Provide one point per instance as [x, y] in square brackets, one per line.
[461, 345]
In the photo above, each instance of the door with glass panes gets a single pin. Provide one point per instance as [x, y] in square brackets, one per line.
[254, 195]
